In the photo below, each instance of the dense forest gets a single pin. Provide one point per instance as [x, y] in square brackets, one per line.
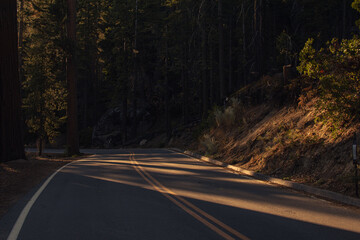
[108, 72]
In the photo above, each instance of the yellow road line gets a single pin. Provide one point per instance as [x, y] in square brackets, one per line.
[218, 222]
[211, 226]
[165, 191]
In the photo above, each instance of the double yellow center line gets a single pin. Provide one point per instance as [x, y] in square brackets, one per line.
[188, 207]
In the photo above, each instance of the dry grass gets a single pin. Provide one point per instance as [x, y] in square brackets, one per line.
[18, 177]
[288, 143]
[209, 143]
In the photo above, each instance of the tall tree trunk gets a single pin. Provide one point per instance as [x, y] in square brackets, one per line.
[185, 88]
[21, 40]
[86, 102]
[221, 51]
[41, 131]
[204, 67]
[185, 75]
[167, 91]
[39, 146]
[205, 84]
[244, 70]
[124, 116]
[258, 47]
[11, 137]
[72, 118]
[124, 98]
[87, 87]
[230, 85]
[212, 97]
[344, 15]
[135, 78]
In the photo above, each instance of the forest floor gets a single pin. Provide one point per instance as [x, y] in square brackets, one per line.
[286, 142]
[20, 176]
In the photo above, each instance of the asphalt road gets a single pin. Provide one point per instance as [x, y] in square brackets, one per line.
[158, 194]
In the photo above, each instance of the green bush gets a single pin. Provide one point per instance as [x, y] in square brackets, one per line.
[226, 118]
[209, 143]
[230, 115]
[336, 73]
[205, 123]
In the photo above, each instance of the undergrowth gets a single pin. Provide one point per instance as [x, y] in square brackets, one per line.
[288, 141]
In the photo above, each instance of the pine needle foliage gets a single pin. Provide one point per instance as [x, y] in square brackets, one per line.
[336, 71]
[44, 90]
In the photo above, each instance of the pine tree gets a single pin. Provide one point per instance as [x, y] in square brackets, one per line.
[44, 70]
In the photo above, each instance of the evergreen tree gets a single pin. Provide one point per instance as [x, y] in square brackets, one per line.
[177, 58]
[44, 70]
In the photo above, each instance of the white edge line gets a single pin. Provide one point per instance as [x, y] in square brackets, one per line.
[21, 219]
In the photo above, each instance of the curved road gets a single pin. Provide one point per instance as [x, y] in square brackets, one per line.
[159, 194]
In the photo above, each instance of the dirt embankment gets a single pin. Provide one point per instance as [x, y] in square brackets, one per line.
[288, 142]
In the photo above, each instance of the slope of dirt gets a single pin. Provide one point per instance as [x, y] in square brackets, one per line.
[288, 143]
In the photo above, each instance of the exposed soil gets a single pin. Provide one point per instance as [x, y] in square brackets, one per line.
[285, 142]
[20, 176]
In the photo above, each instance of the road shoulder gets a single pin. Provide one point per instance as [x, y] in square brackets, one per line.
[321, 193]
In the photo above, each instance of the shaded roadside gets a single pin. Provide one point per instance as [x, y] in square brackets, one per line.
[19, 177]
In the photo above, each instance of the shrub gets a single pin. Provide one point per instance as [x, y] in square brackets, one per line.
[209, 143]
[225, 119]
[205, 124]
[237, 106]
[218, 115]
[336, 71]
[230, 115]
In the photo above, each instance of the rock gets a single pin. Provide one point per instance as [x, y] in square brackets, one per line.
[143, 142]
[108, 131]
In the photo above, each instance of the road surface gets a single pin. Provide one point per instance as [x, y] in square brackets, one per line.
[159, 194]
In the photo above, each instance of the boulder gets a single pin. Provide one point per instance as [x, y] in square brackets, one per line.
[108, 131]
[143, 142]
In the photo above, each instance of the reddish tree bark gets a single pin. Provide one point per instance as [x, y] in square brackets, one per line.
[205, 82]
[204, 67]
[21, 40]
[258, 36]
[221, 51]
[11, 137]
[72, 118]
